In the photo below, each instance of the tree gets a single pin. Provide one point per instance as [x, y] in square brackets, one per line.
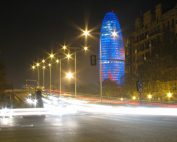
[110, 88]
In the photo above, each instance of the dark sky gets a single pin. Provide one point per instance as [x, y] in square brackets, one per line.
[30, 28]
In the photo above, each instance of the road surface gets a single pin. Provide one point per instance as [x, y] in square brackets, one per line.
[91, 127]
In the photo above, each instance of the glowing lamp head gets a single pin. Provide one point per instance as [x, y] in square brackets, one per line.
[134, 98]
[69, 75]
[149, 96]
[121, 99]
[68, 56]
[51, 56]
[43, 67]
[49, 65]
[169, 95]
[57, 61]
[43, 61]
[64, 47]
[114, 34]
[85, 48]
[33, 67]
[37, 64]
[86, 33]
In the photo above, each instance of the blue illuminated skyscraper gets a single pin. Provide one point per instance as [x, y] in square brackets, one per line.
[111, 52]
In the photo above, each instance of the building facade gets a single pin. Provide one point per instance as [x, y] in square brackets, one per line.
[148, 36]
[111, 52]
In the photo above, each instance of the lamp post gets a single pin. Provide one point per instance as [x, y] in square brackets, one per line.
[43, 76]
[69, 75]
[33, 68]
[68, 56]
[59, 61]
[169, 95]
[60, 76]
[50, 80]
[149, 96]
[38, 73]
[51, 56]
[100, 72]
[75, 72]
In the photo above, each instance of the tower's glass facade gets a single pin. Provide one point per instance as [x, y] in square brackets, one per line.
[111, 52]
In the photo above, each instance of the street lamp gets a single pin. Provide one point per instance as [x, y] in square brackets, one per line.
[64, 47]
[86, 33]
[134, 98]
[43, 61]
[75, 71]
[33, 67]
[85, 48]
[169, 95]
[68, 56]
[51, 56]
[100, 74]
[43, 74]
[69, 75]
[59, 61]
[38, 73]
[114, 34]
[50, 80]
[149, 96]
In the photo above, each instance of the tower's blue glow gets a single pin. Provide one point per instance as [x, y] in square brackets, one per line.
[112, 58]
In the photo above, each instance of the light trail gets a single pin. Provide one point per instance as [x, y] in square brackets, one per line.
[84, 106]
[121, 110]
[65, 106]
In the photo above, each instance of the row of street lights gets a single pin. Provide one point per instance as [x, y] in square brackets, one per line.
[52, 57]
[169, 95]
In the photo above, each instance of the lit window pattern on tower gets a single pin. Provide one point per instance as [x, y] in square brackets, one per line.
[112, 57]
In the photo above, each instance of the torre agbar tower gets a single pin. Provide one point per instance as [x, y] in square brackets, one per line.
[111, 51]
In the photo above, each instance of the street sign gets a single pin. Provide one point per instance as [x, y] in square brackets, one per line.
[139, 86]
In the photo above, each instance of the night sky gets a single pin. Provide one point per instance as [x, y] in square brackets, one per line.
[30, 28]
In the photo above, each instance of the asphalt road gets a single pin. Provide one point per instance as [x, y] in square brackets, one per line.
[91, 127]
